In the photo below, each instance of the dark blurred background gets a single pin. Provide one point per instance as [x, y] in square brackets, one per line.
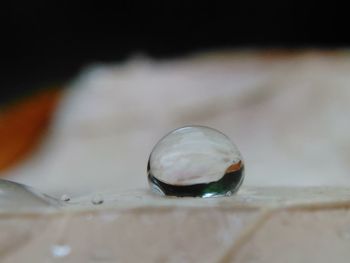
[47, 42]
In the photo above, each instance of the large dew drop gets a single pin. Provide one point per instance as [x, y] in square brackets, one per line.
[195, 161]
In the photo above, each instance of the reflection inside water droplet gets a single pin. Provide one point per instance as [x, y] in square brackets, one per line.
[65, 198]
[97, 199]
[59, 251]
[195, 161]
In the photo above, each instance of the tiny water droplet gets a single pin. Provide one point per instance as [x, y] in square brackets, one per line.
[59, 251]
[97, 199]
[65, 198]
[195, 161]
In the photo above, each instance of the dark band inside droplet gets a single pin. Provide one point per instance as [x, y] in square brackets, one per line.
[228, 184]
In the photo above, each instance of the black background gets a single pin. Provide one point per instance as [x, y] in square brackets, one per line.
[47, 42]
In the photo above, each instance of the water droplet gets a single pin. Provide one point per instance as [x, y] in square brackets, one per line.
[97, 199]
[195, 161]
[65, 198]
[60, 251]
[19, 197]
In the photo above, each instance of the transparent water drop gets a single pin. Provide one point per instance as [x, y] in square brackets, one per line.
[18, 197]
[65, 198]
[195, 161]
[60, 251]
[97, 199]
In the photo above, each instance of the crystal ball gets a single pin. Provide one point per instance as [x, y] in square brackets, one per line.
[195, 161]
